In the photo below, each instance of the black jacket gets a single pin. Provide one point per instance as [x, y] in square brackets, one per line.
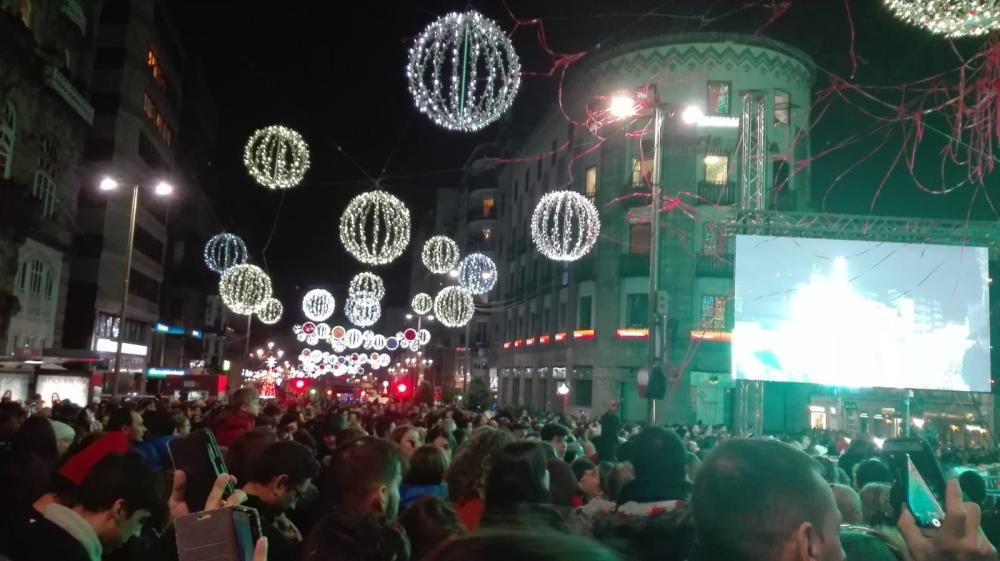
[26, 535]
[279, 547]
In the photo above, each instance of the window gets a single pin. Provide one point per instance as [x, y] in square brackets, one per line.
[157, 118]
[487, 232]
[718, 102]
[641, 170]
[716, 169]
[547, 320]
[714, 241]
[562, 316]
[583, 393]
[44, 186]
[488, 205]
[782, 108]
[481, 333]
[149, 154]
[8, 133]
[639, 235]
[155, 70]
[636, 310]
[585, 313]
[22, 275]
[713, 312]
[144, 287]
[147, 244]
[35, 286]
[590, 183]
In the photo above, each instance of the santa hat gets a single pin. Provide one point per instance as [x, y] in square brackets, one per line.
[77, 467]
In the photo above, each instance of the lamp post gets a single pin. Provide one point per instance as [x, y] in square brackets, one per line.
[162, 189]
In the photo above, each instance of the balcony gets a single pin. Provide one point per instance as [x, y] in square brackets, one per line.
[723, 194]
[630, 265]
[73, 10]
[718, 266]
[476, 213]
[55, 79]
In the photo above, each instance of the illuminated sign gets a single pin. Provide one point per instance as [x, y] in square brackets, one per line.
[164, 372]
[530, 341]
[715, 121]
[583, 334]
[560, 336]
[518, 343]
[506, 345]
[544, 339]
[641, 333]
[226, 365]
[109, 346]
[707, 335]
[196, 334]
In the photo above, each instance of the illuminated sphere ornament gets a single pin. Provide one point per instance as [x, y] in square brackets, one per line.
[271, 311]
[366, 284]
[363, 311]
[951, 18]
[440, 254]
[565, 225]
[463, 72]
[375, 228]
[318, 304]
[244, 288]
[223, 251]
[276, 157]
[477, 273]
[454, 306]
[422, 303]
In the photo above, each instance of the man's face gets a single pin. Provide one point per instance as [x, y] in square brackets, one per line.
[121, 527]
[409, 443]
[137, 430]
[559, 443]
[253, 407]
[287, 496]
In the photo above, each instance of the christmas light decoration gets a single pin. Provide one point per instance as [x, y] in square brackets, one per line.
[363, 311]
[271, 311]
[276, 157]
[454, 306]
[440, 254]
[477, 273]
[375, 228]
[565, 225]
[463, 72]
[224, 251]
[422, 303]
[951, 18]
[366, 285]
[244, 288]
[318, 305]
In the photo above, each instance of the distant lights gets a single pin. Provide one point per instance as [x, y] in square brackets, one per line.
[477, 273]
[276, 157]
[565, 225]
[224, 251]
[454, 306]
[366, 285]
[422, 303]
[950, 18]
[440, 254]
[244, 288]
[375, 228]
[318, 304]
[271, 311]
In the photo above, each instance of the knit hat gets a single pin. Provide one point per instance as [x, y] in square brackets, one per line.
[62, 430]
[77, 467]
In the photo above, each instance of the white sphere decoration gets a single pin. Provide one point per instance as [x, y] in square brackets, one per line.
[244, 288]
[565, 225]
[271, 311]
[477, 273]
[223, 251]
[951, 18]
[375, 227]
[454, 306]
[366, 284]
[422, 303]
[276, 157]
[463, 72]
[363, 311]
[318, 304]
[440, 254]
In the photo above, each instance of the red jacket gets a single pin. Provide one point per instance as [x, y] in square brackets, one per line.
[231, 425]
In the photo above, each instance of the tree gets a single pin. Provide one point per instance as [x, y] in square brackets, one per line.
[478, 395]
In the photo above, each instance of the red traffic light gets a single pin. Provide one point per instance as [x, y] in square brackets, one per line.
[299, 384]
[401, 388]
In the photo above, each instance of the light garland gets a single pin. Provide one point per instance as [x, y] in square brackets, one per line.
[318, 304]
[444, 72]
[375, 228]
[440, 254]
[276, 157]
[422, 303]
[477, 273]
[271, 311]
[224, 251]
[565, 225]
[951, 18]
[366, 285]
[454, 306]
[244, 288]
[362, 312]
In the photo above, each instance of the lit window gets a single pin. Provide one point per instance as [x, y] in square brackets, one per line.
[8, 132]
[153, 63]
[487, 232]
[782, 108]
[488, 205]
[718, 102]
[44, 186]
[639, 239]
[716, 168]
[641, 169]
[590, 183]
[713, 312]
[157, 118]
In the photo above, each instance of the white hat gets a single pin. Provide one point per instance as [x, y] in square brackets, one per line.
[62, 430]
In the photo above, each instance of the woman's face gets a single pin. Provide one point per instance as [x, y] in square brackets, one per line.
[590, 483]
[442, 444]
[409, 443]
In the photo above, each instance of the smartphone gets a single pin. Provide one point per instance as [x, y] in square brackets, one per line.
[917, 480]
[224, 534]
[199, 457]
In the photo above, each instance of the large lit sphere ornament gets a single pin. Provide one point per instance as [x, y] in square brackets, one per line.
[271, 311]
[440, 254]
[318, 304]
[244, 288]
[422, 303]
[224, 251]
[276, 157]
[565, 225]
[363, 311]
[454, 306]
[477, 273]
[463, 72]
[951, 18]
[375, 228]
[366, 284]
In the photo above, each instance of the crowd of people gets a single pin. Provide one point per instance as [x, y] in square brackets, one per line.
[398, 482]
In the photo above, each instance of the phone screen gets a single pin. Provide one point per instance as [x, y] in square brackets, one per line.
[245, 540]
[920, 500]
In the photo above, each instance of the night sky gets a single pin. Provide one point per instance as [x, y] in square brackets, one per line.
[334, 72]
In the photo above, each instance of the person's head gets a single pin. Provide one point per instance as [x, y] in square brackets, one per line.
[659, 456]
[519, 475]
[866, 544]
[281, 474]
[364, 476]
[356, 536]
[588, 478]
[467, 475]
[408, 439]
[427, 466]
[973, 486]
[875, 506]
[65, 435]
[848, 503]
[37, 435]
[872, 470]
[384, 426]
[182, 425]
[556, 435]
[533, 545]
[621, 473]
[442, 439]
[763, 500]
[246, 400]
[158, 423]
[245, 450]
[128, 421]
[117, 496]
[429, 522]
[288, 425]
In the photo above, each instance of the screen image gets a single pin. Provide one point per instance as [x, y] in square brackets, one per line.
[861, 314]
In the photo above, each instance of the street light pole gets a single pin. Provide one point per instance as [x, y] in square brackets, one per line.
[654, 244]
[128, 274]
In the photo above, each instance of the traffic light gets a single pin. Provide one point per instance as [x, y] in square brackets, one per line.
[401, 389]
[300, 385]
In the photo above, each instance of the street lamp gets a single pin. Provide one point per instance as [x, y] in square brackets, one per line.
[107, 185]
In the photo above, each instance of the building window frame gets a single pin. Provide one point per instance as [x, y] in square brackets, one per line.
[590, 183]
[719, 98]
[44, 185]
[8, 138]
[716, 168]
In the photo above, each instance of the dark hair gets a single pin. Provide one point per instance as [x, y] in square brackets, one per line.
[287, 419]
[36, 436]
[580, 467]
[427, 466]
[126, 477]
[472, 464]
[659, 454]
[358, 467]
[120, 417]
[439, 432]
[871, 470]
[604, 470]
[973, 485]
[552, 430]
[619, 476]
[740, 480]
[159, 423]
[245, 450]
[535, 545]
[243, 396]
[429, 521]
[516, 479]
[563, 486]
[383, 425]
[347, 536]
[399, 433]
[24, 477]
[284, 458]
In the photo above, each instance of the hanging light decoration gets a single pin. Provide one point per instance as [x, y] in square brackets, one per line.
[477, 273]
[366, 284]
[454, 306]
[440, 254]
[244, 288]
[951, 18]
[271, 311]
[363, 311]
[422, 303]
[318, 304]
[375, 227]
[565, 225]
[463, 72]
[276, 157]
[223, 251]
